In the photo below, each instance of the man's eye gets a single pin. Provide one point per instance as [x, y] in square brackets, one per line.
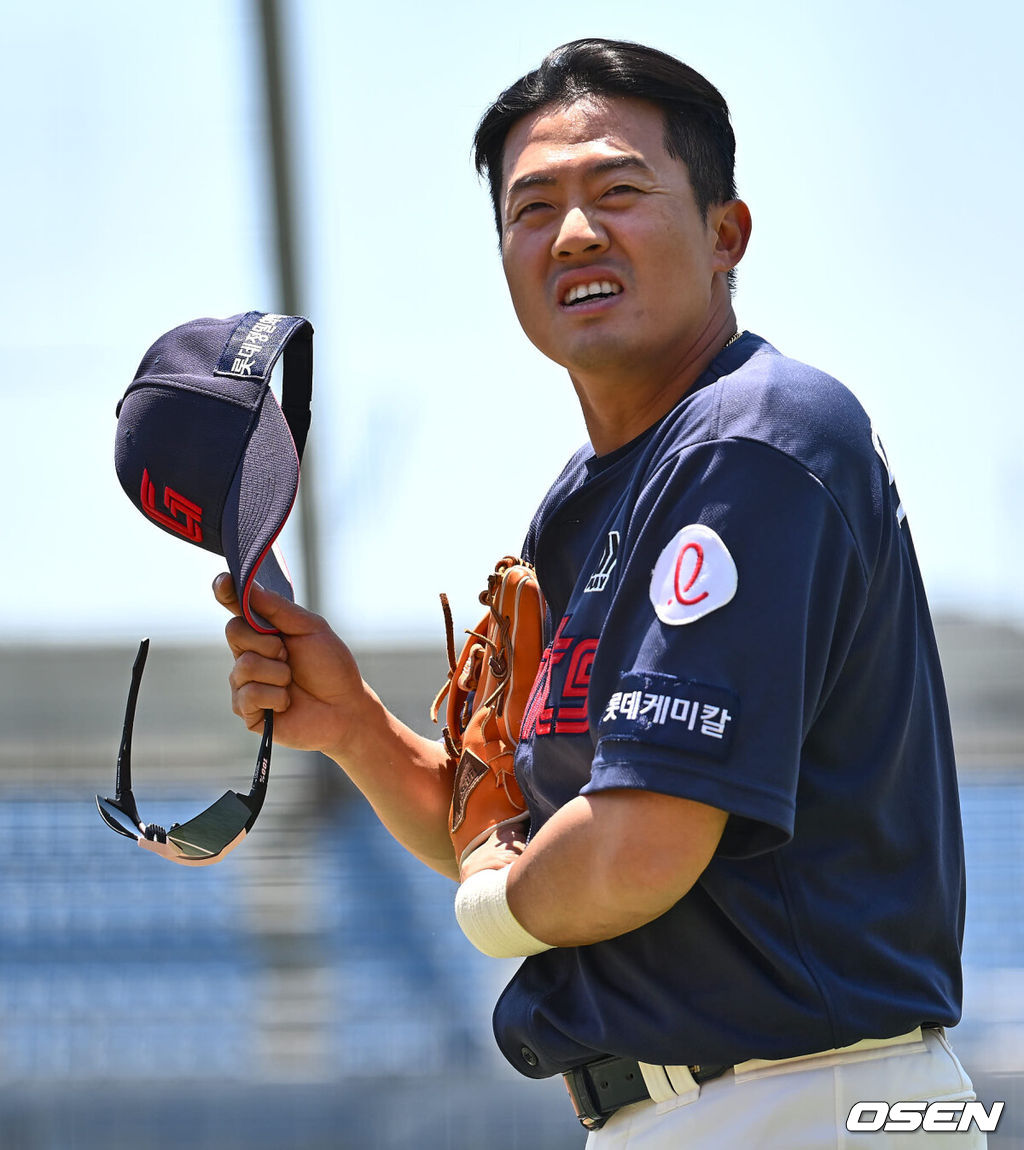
[527, 209]
[620, 189]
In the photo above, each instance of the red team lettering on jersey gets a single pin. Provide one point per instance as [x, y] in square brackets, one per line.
[566, 713]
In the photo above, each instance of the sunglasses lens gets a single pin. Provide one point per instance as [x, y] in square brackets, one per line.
[210, 832]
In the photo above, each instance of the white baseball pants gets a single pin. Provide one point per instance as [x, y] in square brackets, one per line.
[799, 1104]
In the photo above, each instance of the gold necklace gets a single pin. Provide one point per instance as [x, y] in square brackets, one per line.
[732, 339]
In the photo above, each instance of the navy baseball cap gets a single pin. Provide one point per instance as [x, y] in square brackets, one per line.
[204, 449]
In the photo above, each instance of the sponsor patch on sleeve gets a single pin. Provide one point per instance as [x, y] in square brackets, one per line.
[694, 575]
[649, 707]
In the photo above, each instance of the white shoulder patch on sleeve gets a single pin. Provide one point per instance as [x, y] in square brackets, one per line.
[694, 575]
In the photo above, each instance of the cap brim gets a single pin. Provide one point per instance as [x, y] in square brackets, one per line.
[258, 504]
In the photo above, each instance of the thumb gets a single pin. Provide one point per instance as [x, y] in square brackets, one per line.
[285, 616]
[282, 614]
[225, 594]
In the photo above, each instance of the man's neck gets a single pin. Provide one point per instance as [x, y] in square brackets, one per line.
[619, 405]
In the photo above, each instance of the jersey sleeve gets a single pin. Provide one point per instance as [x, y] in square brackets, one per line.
[738, 594]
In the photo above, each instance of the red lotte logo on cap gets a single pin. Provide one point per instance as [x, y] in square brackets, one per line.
[191, 514]
[694, 575]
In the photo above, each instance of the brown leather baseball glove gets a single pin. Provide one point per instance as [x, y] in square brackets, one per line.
[487, 690]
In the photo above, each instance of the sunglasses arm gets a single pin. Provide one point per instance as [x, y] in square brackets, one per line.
[258, 792]
[124, 754]
[188, 844]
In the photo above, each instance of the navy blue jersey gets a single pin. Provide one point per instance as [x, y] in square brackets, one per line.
[737, 618]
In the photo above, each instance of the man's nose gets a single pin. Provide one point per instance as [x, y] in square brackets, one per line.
[579, 233]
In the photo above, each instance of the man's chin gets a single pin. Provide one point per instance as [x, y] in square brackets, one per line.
[597, 351]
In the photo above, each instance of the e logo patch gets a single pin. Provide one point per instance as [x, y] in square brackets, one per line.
[694, 575]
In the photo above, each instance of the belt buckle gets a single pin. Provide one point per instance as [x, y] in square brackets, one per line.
[599, 1088]
[587, 1111]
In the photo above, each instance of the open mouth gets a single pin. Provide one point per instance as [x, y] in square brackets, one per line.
[586, 293]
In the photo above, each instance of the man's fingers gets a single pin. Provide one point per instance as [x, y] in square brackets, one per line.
[225, 594]
[285, 615]
[251, 667]
[288, 617]
[259, 683]
[253, 699]
[242, 638]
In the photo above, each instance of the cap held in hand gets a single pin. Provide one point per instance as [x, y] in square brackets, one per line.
[205, 451]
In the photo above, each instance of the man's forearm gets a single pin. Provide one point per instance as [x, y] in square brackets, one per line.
[405, 778]
[608, 863]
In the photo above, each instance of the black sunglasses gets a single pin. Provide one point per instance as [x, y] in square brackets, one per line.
[211, 834]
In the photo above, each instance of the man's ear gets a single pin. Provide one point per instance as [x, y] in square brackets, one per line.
[732, 224]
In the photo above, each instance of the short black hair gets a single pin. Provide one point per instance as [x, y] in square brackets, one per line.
[697, 127]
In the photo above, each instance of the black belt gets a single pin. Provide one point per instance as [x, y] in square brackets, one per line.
[601, 1087]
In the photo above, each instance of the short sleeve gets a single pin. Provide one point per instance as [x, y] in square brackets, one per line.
[741, 584]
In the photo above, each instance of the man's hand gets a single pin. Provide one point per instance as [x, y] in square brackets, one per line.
[504, 846]
[306, 675]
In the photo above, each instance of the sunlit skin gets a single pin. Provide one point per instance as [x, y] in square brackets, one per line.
[591, 194]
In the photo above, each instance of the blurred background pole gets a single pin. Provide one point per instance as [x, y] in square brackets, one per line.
[274, 65]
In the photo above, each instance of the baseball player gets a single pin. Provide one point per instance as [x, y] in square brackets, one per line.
[740, 895]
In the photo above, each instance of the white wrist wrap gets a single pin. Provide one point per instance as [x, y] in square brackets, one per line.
[482, 911]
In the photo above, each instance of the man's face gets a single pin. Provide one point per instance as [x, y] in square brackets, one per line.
[608, 260]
